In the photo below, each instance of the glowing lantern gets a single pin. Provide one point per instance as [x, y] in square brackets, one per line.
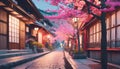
[36, 28]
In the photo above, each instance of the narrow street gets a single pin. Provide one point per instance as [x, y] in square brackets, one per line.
[59, 34]
[53, 60]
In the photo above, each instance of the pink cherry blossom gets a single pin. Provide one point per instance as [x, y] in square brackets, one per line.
[65, 14]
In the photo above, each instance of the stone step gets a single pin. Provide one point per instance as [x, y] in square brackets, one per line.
[13, 51]
[7, 55]
[8, 63]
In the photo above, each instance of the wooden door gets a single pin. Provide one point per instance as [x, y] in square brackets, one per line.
[22, 35]
[3, 29]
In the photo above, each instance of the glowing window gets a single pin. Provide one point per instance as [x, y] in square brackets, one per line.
[13, 29]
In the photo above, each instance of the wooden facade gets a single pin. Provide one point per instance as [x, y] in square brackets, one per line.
[13, 20]
[40, 34]
[8, 38]
[3, 29]
[92, 41]
[22, 34]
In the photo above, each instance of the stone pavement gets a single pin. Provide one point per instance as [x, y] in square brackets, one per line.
[82, 63]
[53, 60]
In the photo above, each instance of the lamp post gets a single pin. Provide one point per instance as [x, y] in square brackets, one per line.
[75, 20]
[36, 32]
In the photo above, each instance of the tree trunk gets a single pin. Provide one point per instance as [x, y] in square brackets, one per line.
[103, 38]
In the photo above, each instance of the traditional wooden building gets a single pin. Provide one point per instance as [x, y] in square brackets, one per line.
[15, 15]
[39, 33]
[92, 37]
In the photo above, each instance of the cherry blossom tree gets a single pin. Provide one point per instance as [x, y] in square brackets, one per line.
[96, 8]
[63, 30]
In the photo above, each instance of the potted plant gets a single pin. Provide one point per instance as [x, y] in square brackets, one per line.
[38, 46]
[78, 55]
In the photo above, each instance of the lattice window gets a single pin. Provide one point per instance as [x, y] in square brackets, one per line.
[13, 29]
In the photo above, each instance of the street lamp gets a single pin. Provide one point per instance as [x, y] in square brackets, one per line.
[76, 25]
[36, 28]
[75, 19]
[36, 32]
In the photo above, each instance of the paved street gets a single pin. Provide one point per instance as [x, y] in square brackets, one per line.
[53, 60]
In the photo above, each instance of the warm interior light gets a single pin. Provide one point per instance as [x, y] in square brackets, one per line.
[36, 28]
[48, 36]
[40, 36]
[27, 29]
